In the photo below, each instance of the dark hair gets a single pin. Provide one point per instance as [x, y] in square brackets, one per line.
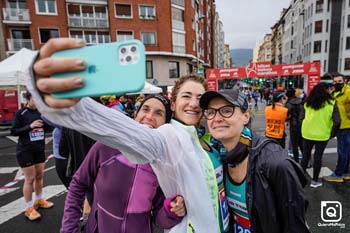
[290, 93]
[183, 79]
[319, 95]
[276, 97]
[27, 95]
[332, 75]
[164, 101]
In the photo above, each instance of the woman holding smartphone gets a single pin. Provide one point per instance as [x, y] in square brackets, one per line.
[174, 150]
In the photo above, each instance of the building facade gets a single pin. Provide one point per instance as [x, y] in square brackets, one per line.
[177, 34]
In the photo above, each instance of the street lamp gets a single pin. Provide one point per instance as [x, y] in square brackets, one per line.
[198, 19]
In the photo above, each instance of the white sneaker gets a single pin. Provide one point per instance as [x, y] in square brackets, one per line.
[315, 184]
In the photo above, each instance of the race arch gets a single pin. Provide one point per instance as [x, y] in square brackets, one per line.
[267, 69]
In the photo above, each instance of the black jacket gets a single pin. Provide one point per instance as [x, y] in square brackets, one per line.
[295, 109]
[21, 127]
[74, 146]
[276, 201]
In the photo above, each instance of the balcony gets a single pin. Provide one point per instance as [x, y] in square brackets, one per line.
[95, 2]
[85, 22]
[178, 25]
[16, 16]
[17, 44]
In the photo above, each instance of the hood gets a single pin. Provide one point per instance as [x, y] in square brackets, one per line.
[295, 101]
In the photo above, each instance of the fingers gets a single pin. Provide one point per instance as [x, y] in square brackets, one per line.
[57, 44]
[50, 85]
[59, 103]
[178, 206]
[48, 66]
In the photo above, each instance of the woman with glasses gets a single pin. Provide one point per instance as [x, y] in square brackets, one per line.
[174, 150]
[275, 117]
[263, 184]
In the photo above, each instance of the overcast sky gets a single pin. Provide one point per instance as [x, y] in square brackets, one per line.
[247, 21]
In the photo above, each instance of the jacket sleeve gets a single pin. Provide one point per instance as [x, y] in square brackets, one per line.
[82, 181]
[161, 216]
[18, 127]
[63, 146]
[287, 180]
[336, 121]
[138, 143]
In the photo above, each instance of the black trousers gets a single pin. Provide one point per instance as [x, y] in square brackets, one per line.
[61, 169]
[297, 141]
[320, 146]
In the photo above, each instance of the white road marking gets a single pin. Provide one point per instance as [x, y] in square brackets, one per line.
[17, 207]
[15, 139]
[8, 190]
[325, 171]
[5, 170]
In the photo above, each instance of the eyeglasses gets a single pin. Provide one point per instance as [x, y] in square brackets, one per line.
[225, 111]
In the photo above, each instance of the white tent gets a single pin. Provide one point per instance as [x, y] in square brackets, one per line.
[14, 69]
[148, 89]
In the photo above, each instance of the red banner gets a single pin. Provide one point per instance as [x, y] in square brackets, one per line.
[266, 69]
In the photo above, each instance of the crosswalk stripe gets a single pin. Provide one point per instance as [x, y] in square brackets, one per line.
[17, 207]
[325, 171]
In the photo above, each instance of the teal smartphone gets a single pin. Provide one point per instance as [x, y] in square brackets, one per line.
[112, 69]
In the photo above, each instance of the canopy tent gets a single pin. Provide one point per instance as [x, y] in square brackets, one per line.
[148, 89]
[14, 69]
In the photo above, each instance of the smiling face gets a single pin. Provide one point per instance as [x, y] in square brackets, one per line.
[186, 105]
[152, 113]
[227, 130]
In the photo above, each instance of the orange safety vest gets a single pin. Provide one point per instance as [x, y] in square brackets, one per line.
[275, 119]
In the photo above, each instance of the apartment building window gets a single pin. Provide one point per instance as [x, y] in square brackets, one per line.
[189, 68]
[326, 46]
[317, 46]
[147, 12]
[148, 38]
[178, 42]
[347, 64]
[324, 65]
[91, 37]
[123, 10]
[348, 21]
[347, 45]
[125, 35]
[46, 7]
[177, 14]
[174, 69]
[178, 2]
[46, 34]
[312, 8]
[318, 26]
[291, 44]
[149, 69]
[19, 4]
[327, 25]
[319, 6]
[292, 30]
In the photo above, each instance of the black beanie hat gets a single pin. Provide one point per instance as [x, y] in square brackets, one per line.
[164, 101]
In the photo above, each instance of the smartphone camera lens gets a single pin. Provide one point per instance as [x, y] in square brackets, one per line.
[123, 50]
[128, 58]
[133, 49]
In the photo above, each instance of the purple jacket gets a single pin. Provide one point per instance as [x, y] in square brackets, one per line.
[127, 197]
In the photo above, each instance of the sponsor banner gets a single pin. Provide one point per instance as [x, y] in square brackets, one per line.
[264, 69]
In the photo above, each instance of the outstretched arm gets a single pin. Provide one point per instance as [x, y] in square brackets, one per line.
[140, 144]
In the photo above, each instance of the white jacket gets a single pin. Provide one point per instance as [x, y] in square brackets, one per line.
[181, 165]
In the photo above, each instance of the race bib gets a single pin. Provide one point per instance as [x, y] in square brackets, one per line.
[224, 209]
[36, 134]
[242, 224]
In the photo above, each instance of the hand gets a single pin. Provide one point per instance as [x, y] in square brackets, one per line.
[178, 206]
[36, 124]
[46, 66]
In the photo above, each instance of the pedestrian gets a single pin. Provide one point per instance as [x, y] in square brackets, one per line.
[320, 123]
[174, 150]
[275, 118]
[30, 154]
[295, 109]
[263, 184]
[125, 195]
[342, 94]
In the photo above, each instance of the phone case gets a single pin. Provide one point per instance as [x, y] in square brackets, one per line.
[112, 69]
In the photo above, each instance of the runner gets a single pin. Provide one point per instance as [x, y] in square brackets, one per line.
[30, 153]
